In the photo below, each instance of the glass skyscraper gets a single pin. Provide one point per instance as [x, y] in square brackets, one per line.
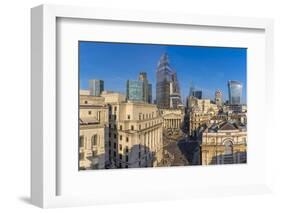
[96, 87]
[167, 86]
[134, 90]
[139, 90]
[235, 92]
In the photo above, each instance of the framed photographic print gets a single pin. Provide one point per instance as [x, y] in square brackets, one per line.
[130, 106]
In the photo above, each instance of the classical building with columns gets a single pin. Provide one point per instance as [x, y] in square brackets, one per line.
[172, 118]
[93, 123]
[224, 143]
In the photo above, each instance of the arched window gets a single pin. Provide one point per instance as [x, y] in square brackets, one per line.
[228, 152]
[94, 140]
[228, 148]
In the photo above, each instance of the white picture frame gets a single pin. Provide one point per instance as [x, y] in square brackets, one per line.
[44, 154]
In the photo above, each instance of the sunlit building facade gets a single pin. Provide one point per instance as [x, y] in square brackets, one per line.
[93, 122]
[224, 143]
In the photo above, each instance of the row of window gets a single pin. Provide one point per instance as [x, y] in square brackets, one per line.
[82, 139]
[132, 126]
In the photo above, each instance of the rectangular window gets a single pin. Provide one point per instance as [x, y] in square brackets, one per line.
[120, 147]
[127, 158]
[98, 115]
[81, 141]
[120, 137]
[129, 117]
[89, 112]
[114, 145]
[139, 116]
[132, 127]
[94, 140]
[127, 149]
[139, 127]
[115, 136]
[127, 139]
[120, 157]
[121, 127]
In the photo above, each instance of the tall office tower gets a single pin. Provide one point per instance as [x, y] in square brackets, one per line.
[134, 90]
[218, 98]
[147, 88]
[139, 90]
[96, 87]
[234, 92]
[167, 86]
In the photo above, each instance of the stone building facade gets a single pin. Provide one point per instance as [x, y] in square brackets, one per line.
[93, 122]
[135, 135]
[224, 143]
[200, 114]
[172, 118]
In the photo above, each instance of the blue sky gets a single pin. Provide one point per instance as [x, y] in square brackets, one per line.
[208, 68]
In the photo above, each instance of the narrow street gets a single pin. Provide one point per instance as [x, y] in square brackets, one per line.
[180, 152]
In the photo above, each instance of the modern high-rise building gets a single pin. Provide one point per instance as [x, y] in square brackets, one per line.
[167, 86]
[218, 98]
[134, 90]
[139, 90]
[235, 92]
[147, 88]
[96, 87]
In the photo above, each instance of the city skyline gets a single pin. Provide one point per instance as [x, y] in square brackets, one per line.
[192, 64]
